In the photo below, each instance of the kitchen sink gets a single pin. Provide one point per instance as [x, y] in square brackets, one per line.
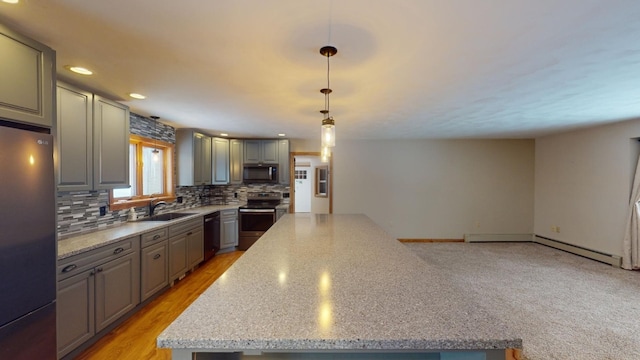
[166, 217]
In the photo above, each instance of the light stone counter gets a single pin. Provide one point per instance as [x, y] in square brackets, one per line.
[327, 283]
[85, 242]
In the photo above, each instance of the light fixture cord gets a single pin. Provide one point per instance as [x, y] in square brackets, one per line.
[328, 87]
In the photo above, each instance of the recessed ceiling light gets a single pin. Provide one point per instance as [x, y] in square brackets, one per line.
[224, 134]
[282, 134]
[137, 96]
[11, 1]
[79, 70]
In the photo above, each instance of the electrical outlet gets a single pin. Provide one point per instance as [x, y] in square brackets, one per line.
[179, 199]
[558, 229]
[477, 224]
[553, 228]
[235, 195]
[103, 210]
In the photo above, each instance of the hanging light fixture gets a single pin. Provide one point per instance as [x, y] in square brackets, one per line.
[155, 150]
[328, 130]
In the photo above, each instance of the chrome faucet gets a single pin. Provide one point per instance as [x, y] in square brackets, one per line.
[152, 206]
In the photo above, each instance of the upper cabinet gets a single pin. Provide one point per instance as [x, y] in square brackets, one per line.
[283, 167]
[27, 79]
[261, 151]
[220, 155]
[110, 144]
[92, 141]
[193, 158]
[236, 155]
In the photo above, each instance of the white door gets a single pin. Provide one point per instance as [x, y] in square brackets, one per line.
[303, 190]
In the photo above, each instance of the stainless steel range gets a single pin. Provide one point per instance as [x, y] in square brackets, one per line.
[257, 216]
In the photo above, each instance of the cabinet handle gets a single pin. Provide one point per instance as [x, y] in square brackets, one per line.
[207, 220]
[92, 273]
[156, 257]
[118, 250]
[189, 233]
[157, 236]
[99, 269]
[69, 268]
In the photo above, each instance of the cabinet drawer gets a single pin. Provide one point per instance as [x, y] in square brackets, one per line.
[153, 237]
[185, 226]
[81, 262]
[228, 213]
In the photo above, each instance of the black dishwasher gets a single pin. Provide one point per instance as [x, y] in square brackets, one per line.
[211, 235]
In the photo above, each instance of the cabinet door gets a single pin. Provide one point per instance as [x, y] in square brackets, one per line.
[252, 151]
[195, 248]
[283, 167]
[154, 269]
[202, 159]
[236, 154]
[228, 232]
[75, 311]
[220, 161]
[117, 289]
[270, 151]
[110, 144]
[74, 135]
[27, 70]
[177, 256]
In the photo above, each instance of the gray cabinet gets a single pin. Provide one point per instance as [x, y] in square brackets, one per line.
[193, 151]
[261, 151]
[110, 144]
[220, 156]
[283, 163]
[92, 141]
[236, 157]
[74, 134]
[154, 262]
[27, 79]
[228, 228]
[186, 247]
[95, 289]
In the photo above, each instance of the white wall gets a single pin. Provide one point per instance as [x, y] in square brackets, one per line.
[437, 188]
[582, 184]
[319, 205]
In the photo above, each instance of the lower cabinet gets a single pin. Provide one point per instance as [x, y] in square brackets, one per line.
[186, 247]
[154, 269]
[94, 290]
[228, 228]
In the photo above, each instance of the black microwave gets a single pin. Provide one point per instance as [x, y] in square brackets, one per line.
[256, 173]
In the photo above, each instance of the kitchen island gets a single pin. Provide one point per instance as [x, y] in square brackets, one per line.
[336, 284]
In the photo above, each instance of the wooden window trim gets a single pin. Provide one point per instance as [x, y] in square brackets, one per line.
[169, 175]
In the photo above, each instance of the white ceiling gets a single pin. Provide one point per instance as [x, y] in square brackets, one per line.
[404, 68]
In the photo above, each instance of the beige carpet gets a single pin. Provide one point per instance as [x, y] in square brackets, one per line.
[565, 306]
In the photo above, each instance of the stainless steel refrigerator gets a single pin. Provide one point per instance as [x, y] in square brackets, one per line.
[27, 244]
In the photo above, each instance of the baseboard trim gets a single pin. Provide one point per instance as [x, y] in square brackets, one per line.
[498, 237]
[613, 260]
[430, 240]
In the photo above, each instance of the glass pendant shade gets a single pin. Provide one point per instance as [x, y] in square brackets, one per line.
[328, 133]
[325, 154]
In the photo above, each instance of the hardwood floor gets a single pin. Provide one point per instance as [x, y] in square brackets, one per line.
[135, 339]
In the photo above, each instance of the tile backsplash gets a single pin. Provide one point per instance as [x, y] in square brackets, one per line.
[79, 211]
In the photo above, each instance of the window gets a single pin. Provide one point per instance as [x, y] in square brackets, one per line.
[322, 181]
[150, 174]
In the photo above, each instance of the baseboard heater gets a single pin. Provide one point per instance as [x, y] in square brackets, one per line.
[612, 260]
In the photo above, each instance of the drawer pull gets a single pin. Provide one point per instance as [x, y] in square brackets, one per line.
[69, 268]
[156, 257]
[189, 233]
[118, 250]
[99, 269]
[157, 236]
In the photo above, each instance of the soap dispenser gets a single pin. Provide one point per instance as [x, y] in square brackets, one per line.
[132, 214]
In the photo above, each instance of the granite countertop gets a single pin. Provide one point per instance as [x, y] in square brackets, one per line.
[334, 282]
[78, 244]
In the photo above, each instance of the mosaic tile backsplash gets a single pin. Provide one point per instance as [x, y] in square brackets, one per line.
[79, 211]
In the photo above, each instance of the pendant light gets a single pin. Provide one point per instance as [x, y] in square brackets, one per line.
[328, 129]
[155, 150]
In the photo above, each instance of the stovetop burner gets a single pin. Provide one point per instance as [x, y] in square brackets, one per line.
[262, 200]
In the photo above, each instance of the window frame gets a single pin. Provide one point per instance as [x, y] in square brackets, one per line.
[169, 175]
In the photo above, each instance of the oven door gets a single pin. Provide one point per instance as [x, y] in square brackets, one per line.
[254, 222]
